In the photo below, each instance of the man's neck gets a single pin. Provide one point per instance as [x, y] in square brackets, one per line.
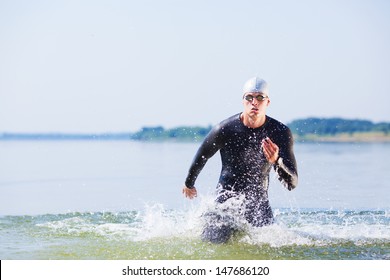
[253, 121]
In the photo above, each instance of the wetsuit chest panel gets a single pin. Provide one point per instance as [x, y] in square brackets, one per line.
[243, 161]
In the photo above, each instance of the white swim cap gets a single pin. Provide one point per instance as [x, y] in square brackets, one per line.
[256, 84]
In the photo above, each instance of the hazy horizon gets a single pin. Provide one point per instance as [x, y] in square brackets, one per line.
[150, 126]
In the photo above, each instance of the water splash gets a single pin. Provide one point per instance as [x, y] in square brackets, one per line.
[291, 228]
[159, 233]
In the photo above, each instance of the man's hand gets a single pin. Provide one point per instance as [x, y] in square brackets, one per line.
[189, 192]
[270, 149]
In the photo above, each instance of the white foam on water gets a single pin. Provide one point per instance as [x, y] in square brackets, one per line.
[290, 228]
[157, 222]
[275, 236]
[325, 227]
[358, 233]
[78, 226]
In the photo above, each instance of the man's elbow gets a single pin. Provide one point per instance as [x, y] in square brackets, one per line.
[293, 183]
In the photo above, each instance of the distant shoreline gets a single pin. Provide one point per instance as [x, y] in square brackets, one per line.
[361, 137]
[304, 130]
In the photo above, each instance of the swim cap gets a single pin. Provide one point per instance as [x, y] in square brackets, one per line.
[256, 84]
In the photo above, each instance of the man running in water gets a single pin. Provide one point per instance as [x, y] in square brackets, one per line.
[250, 144]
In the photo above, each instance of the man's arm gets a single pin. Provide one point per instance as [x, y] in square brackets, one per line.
[281, 155]
[286, 165]
[207, 149]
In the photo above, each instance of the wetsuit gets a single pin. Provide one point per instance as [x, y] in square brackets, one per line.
[245, 170]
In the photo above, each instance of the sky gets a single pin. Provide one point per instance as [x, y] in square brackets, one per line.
[117, 66]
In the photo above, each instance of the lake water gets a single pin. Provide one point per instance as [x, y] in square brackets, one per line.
[122, 200]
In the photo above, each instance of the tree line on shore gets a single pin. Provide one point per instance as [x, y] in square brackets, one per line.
[300, 128]
[334, 126]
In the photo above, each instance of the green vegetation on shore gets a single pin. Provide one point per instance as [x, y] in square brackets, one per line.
[339, 130]
[304, 130]
[183, 133]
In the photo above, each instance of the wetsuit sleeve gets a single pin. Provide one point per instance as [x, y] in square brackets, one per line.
[208, 148]
[286, 165]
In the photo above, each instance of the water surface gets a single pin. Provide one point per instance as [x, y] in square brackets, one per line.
[122, 200]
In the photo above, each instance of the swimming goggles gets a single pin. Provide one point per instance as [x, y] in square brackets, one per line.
[258, 97]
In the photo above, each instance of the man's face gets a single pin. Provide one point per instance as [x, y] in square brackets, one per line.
[255, 103]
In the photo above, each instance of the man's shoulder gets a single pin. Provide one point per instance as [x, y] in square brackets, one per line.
[228, 124]
[230, 120]
[277, 124]
[234, 118]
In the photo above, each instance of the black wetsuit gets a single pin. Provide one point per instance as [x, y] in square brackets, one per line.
[245, 169]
